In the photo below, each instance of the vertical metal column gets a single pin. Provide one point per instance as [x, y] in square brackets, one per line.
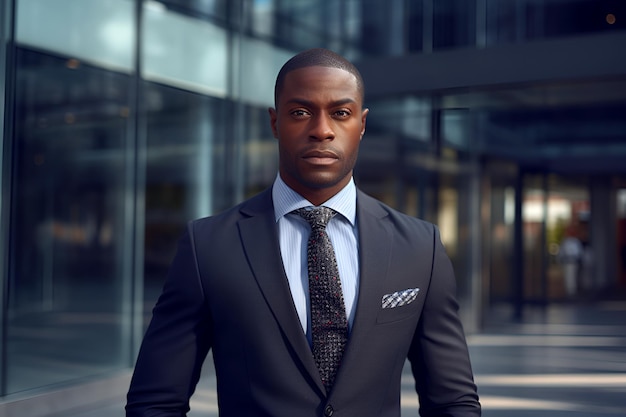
[238, 153]
[481, 24]
[518, 250]
[544, 241]
[7, 110]
[476, 238]
[436, 139]
[397, 39]
[135, 152]
[427, 34]
[485, 219]
[603, 233]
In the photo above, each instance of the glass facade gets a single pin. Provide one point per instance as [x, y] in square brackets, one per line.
[68, 220]
[529, 20]
[124, 119]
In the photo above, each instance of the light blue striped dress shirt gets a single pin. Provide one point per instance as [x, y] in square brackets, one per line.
[293, 236]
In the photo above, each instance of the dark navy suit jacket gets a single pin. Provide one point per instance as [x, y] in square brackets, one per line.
[227, 291]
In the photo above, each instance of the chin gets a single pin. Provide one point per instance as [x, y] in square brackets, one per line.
[322, 181]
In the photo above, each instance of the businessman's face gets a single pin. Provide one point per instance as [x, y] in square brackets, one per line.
[319, 122]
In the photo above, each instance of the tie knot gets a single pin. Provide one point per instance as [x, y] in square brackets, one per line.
[318, 217]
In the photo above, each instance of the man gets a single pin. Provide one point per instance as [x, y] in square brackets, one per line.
[239, 284]
[571, 256]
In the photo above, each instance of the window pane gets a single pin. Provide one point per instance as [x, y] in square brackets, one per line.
[454, 23]
[456, 129]
[98, 31]
[260, 151]
[555, 18]
[303, 23]
[260, 63]
[518, 21]
[68, 222]
[409, 117]
[214, 8]
[184, 52]
[415, 25]
[182, 129]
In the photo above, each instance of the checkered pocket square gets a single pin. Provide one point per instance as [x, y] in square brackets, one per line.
[400, 298]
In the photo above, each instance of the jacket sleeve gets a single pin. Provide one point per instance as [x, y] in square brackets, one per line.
[439, 356]
[175, 345]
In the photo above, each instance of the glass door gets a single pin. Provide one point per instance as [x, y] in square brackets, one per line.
[555, 214]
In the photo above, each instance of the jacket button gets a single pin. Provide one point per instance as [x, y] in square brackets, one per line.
[328, 411]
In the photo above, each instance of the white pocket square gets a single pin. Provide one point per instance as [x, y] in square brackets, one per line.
[400, 298]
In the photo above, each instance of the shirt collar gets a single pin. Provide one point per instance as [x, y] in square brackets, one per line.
[287, 200]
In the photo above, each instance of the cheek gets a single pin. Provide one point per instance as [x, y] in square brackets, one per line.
[355, 142]
[286, 150]
[288, 128]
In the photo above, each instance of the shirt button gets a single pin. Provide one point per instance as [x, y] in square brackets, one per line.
[328, 411]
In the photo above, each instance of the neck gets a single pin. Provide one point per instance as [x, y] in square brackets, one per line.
[318, 196]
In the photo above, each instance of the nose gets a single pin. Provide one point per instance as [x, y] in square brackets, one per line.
[321, 128]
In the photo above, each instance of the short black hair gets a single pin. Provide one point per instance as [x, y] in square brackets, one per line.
[317, 57]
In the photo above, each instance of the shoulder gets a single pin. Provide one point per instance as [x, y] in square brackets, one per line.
[369, 207]
[260, 204]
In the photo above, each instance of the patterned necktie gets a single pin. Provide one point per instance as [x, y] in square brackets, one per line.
[329, 326]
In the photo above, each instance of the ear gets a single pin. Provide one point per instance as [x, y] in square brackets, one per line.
[273, 117]
[364, 114]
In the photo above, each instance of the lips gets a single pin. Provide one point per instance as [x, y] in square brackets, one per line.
[320, 157]
[320, 153]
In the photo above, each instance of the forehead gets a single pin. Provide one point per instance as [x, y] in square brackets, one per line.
[320, 81]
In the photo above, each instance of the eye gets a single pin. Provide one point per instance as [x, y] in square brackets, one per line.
[342, 114]
[300, 113]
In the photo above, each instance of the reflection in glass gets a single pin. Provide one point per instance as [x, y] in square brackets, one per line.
[186, 147]
[407, 116]
[454, 23]
[523, 20]
[67, 227]
[217, 9]
[201, 65]
[97, 31]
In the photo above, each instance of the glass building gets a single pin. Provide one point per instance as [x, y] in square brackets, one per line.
[502, 121]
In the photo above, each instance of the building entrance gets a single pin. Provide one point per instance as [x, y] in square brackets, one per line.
[557, 250]
[570, 245]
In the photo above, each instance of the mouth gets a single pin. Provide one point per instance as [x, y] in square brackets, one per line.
[320, 157]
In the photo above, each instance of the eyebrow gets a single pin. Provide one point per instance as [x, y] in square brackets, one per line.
[309, 103]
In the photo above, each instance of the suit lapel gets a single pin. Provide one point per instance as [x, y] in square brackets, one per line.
[259, 237]
[375, 238]
[375, 235]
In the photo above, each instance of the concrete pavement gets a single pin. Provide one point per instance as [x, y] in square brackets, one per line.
[565, 360]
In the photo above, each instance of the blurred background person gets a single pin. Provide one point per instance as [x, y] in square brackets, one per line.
[570, 256]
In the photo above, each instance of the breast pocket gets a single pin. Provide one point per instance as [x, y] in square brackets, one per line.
[399, 305]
